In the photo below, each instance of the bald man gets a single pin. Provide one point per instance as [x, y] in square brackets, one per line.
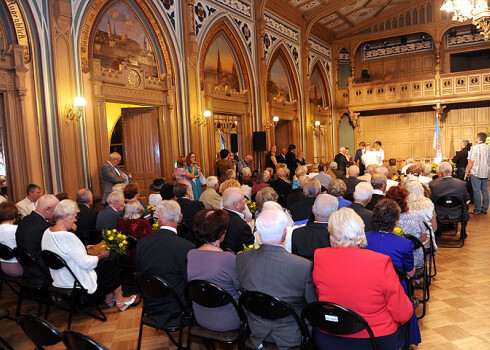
[282, 186]
[111, 174]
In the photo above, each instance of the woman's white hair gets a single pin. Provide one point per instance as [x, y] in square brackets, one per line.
[118, 188]
[246, 171]
[416, 199]
[168, 211]
[271, 224]
[346, 229]
[133, 210]
[65, 207]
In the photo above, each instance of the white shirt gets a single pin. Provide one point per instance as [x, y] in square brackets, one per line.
[170, 228]
[7, 237]
[378, 192]
[390, 183]
[72, 250]
[25, 206]
[370, 157]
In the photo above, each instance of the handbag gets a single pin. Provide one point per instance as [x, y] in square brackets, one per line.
[202, 179]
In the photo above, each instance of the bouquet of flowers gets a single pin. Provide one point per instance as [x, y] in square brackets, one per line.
[249, 247]
[155, 226]
[251, 206]
[115, 241]
[151, 209]
[399, 231]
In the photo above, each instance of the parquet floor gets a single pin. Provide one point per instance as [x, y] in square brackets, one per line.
[458, 314]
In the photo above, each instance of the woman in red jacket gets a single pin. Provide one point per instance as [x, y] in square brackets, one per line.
[362, 280]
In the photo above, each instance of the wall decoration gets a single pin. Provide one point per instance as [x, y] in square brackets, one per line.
[281, 28]
[203, 12]
[464, 39]
[317, 90]
[279, 85]
[372, 51]
[169, 9]
[239, 6]
[220, 66]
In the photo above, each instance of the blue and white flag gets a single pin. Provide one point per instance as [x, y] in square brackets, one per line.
[437, 143]
[222, 140]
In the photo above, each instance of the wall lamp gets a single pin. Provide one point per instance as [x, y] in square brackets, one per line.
[75, 111]
[316, 128]
[269, 125]
[201, 121]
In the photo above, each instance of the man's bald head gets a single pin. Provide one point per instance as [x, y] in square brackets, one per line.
[46, 205]
[354, 170]
[281, 173]
[382, 170]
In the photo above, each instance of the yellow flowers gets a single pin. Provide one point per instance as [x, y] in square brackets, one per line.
[399, 231]
[249, 247]
[252, 206]
[115, 241]
[111, 238]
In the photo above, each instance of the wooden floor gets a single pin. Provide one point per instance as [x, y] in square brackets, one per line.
[458, 315]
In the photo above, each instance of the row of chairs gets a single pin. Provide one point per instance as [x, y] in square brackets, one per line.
[329, 317]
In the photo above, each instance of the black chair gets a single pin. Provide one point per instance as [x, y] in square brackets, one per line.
[272, 308]
[156, 287]
[6, 253]
[77, 341]
[127, 269]
[402, 276]
[336, 319]
[38, 292]
[445, 206]
[74, 294]
[431, 252]
[211, 295]
[39, 331]
[4, 313]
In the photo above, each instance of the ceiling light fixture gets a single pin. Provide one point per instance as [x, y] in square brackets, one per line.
[476, 10]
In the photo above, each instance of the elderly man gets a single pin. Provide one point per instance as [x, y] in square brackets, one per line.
[272, 270]
[188, 207]
[384, 171]
[362, 196]
[370, 170]
[210, 197]
[111, 174]
[477, 170]
[238, 232]
[378, 181]
[305, 240]
[281, 158]
[164, 254]
[30, 233]
[282, 186]
[302, 210]
[87, 218]
[28, 204]
[323, 177]
[351, 182]
[342, 161]
[334, 171]
[112, 213]
[245, 163]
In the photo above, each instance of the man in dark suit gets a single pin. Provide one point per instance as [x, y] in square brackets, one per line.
[272, 270]
[297, 194]
[358, 157]
[351, 182]
[341, 160]
[281, 158]
[112, 213]
[305, 240]
[378, 181]
[87, 218]
[282, 186]
[302, 210]
[111, 174]
[188, 207]
[362, 196]
[239, 232]
[30, 233]
[337, 174]
[164, 254]
[291, 161]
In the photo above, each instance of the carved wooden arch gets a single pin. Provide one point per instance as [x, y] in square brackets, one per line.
[97, 8]
[280, 51]
[19, 27]
[223, 27]
[324, 79]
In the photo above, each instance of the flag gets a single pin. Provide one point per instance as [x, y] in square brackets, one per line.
[222, 140]
[437, 143]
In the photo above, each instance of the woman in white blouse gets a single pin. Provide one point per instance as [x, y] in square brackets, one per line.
[94, 273]
[8, 214]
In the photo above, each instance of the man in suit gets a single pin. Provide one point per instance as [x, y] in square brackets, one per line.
[358, 157]
[341, 160]
[291, 161]
[362, 196]
[210, 198]
[281, 158]
[351, 182]
[335, 172]
[384, 171]
[87, 218]
[30, 233]
[164, 254]
[297, 194]
[305, 240]
[238, 232]
[112, 213]
[282, 186]
[28, 204]
[188, 207]
[302, 210]
[378, 182]
[111, 174]
[272, 270]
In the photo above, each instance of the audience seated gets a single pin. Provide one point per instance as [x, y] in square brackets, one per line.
[132, 193]
[425, 177]
[30, 233]
[8, 215]
[378, 182]
[260, 182]
[90, 271]
[87, 218]
[362, 196]
[247, 184]
[349, 276]
[188, 207]
[155, 188]
[410, 162]
[272, 270]
[337, 188]
[29, 204]
[370, 170]
[210, 197]
[239, 232]
[266, 194]
[384, 171]
[297, 194]
[322, 176]
[351, 182]
[305, 240]
[282, 186]
[337, 174]
[164, 254]
[167, 192]
[210, 263]
[302, 210]
[112, 213]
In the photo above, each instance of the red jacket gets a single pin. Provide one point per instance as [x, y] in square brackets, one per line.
[364, 281]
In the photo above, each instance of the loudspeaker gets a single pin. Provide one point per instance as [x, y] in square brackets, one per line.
[259, 141]
[234, 142]
[365, 74]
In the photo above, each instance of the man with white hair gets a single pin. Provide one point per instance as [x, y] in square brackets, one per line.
[112, 213]
[238, 233]
[282, 186]
[333, 170]
[342, 160]
[384, 171]
[272, 270]
[378, 181]
[86, 218]
[305, 240]
[164, 254]
[362, 196]
[370, 170]
[302, 210]
[410, 162]
[210, 198]
[351, 182]
[245, 163]
[111, 174]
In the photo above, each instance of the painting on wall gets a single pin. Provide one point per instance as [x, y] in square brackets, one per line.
[317, 90]
[120, 37]
[220, 67]
[279, 86]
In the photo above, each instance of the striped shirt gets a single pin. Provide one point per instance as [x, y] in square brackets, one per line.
[481, 155]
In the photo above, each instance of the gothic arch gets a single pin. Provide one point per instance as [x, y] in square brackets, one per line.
[281, 52]
[324, 76]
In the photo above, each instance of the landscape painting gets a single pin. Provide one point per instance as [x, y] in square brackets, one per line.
[220, 67]
[279, 86]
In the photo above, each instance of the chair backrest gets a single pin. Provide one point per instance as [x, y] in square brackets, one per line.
[417, 243]
[39, 331]
[56, 262]
[77, 341]
[6, 253]
[402, 276]
[336, 319]
[448, 203]
[131, 242]
[155, 287]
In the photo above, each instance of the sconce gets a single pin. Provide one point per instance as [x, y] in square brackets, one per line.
[316, 128]
[200, 121]
[75, 114]
[269, 125]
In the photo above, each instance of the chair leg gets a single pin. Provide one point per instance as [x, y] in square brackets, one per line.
[6, 344]
[19, 302]
[140, 333]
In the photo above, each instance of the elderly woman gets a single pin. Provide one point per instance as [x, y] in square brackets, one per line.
[349, 276]
[337, 188]
[260, 182]
[8, 214]
[247, 183]
[209, 262]
[132, 193]
[93, 274]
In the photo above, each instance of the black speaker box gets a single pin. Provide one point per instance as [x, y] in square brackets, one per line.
[259, 141]
[234, 142]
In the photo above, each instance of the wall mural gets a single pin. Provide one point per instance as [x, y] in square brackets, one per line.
[279, 86]
[220, 67]
[317, 90]
[120, 37]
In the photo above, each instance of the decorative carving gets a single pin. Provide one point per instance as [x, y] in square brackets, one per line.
[439, 111]
[281, 28]
[20, 28]
[134, 79]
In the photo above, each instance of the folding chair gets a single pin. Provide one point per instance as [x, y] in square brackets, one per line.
[77, 341]
[6, 253]
[39, 331]
[4, 313]
[443, 207]
[432, 253]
